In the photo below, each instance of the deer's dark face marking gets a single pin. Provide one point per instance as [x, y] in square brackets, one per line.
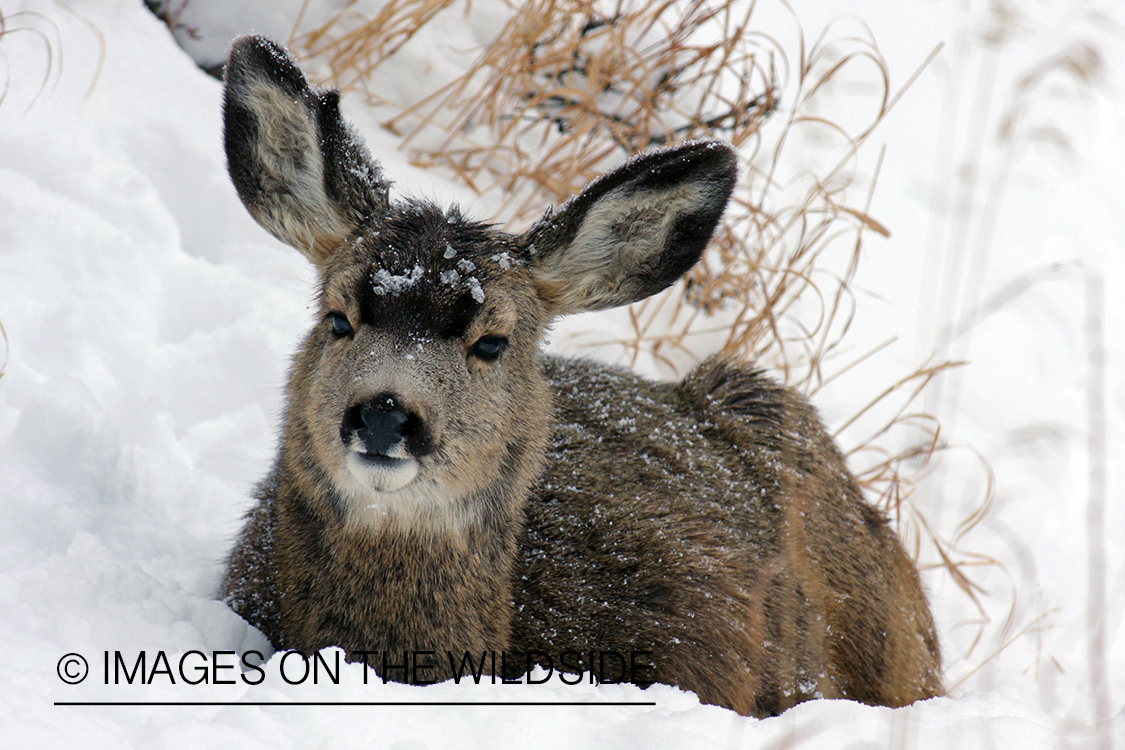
[424, 271]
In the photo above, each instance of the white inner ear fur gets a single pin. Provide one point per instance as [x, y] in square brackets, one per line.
[296, 208]
[621, 231]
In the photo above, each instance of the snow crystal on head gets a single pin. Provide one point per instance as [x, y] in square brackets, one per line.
[504, 260]
[384, 282]
[475, 289]
[450, 277]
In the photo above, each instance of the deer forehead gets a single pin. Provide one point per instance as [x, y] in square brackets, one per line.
[431, 274]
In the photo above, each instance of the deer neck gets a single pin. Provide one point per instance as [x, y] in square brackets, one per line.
[421, 582]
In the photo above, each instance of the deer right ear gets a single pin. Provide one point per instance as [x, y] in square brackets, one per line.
[634, 231]
[299, 169]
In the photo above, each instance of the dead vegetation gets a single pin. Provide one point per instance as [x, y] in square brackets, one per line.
[40, 28]
[47, 43]
[1021, 119]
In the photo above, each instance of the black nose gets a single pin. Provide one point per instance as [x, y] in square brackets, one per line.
[382, 430]
[382, 423]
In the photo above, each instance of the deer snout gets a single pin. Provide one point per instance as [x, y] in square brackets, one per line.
[386, 428]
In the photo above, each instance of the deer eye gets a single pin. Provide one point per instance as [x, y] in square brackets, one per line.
[488, 348]
[340, 325]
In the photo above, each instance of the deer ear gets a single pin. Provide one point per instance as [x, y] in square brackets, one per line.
[299, 169]
[634, 231]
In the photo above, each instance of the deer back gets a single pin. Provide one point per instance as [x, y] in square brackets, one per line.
[715, 522]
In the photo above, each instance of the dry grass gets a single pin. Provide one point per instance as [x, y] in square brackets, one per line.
[41, 28]
[567, 87]
[29, 23]
[351, 45]
[994, 118]
[37, 25]
[572, 87]
[171, 12]
[7, 350]
[1097, 599]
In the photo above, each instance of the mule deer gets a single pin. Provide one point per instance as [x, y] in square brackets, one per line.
[443, 486]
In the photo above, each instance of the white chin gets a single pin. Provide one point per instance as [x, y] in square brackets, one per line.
[385, 475]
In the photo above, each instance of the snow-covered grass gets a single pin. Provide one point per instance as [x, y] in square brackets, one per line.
[150, 321]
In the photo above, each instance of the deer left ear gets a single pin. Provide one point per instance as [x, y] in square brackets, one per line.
[299, 169]
[634, 231]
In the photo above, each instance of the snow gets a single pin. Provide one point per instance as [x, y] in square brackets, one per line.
[475, 289]
[384, 282]
[150, 323]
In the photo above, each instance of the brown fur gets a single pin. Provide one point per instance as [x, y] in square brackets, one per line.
[529, 504]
